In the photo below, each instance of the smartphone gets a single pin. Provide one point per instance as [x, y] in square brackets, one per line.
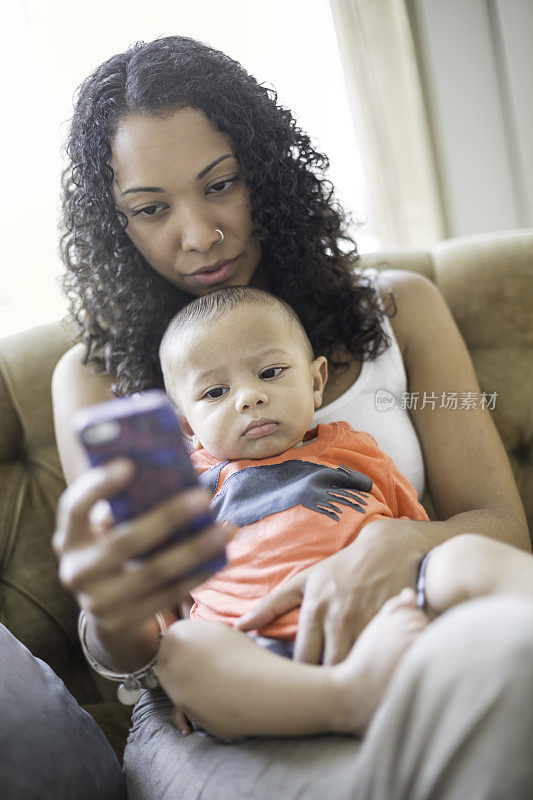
[146, 430]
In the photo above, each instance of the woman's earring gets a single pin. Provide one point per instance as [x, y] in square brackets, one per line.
[217, 230]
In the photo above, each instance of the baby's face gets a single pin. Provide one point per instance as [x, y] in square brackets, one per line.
[248, 386]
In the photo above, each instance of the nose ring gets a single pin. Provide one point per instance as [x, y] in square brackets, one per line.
[219, 241]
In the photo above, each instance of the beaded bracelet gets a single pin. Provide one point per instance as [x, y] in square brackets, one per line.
[131, 683]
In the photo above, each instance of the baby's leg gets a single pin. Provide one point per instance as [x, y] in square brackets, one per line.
[232, 687]
[469, 566]
[222, 679]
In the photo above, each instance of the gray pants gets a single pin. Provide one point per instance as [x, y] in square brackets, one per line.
[50, 748]
[456, 724]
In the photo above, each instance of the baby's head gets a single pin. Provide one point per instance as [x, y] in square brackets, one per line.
[239, 367]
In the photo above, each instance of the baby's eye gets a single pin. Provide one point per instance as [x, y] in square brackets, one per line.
[271, 372]
[215, 393]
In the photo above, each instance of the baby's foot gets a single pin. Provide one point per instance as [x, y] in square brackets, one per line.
[366, 672]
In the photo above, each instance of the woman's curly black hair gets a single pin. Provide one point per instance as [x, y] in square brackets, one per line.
[120, 305]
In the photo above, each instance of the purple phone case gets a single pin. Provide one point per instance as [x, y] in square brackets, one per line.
[146, 430]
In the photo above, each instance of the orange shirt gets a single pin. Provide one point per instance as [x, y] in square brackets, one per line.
[293, 510]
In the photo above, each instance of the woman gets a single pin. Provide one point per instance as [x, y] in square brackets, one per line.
[185, 176]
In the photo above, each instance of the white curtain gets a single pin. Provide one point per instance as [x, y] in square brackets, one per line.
[379, 62]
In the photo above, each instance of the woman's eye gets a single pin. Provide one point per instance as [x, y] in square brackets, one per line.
[147, 211]
[271, 372]
[222, 185]
[214, 394]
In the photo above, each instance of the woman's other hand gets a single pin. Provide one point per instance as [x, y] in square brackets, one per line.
[101, 564]
[341, 594]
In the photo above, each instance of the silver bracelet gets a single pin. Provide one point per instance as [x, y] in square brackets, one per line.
[131, 683]
[421, 601]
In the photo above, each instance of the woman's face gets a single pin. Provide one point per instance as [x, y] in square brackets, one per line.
[178, 181]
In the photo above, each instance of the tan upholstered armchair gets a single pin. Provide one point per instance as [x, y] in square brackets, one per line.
[488, 283]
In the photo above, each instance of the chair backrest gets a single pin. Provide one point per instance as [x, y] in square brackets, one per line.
[33, 604]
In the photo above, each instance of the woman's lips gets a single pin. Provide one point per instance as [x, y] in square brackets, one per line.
[260, 427]
[218, 275]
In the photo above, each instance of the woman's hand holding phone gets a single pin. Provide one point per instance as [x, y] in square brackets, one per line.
[102, 563]
[134, 535]
[156, 540]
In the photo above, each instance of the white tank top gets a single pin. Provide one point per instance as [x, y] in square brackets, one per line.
[372, 404]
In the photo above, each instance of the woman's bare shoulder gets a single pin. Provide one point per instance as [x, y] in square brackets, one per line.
[404, 282]
[415, 299]
[80, 382]
[75, 385]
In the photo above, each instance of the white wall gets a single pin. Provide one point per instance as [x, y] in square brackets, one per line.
[513, 25]
[49, 46]
[476, 58]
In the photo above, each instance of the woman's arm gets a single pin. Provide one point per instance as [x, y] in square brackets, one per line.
[75, 385]
[467, 470]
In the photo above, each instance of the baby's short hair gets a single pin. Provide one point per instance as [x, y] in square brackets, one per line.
[214, 305]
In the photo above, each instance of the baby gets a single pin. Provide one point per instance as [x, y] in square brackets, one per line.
[240, 370]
